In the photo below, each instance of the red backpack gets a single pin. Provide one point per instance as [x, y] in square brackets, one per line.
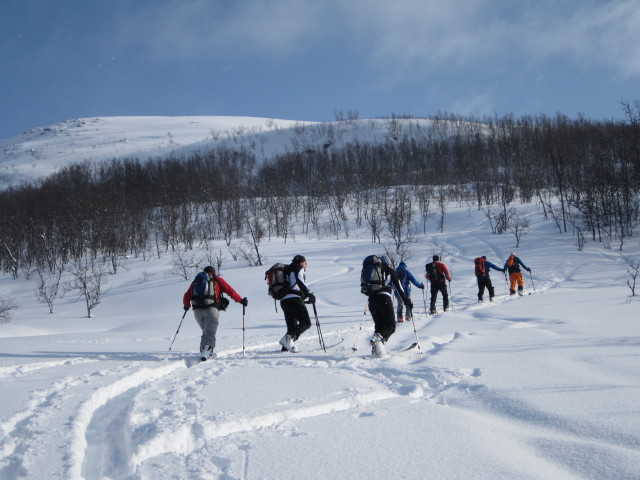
[480, 270]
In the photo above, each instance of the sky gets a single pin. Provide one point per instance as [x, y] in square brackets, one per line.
[314, 60]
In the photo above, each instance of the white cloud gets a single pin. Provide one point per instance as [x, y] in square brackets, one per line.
[185, 30]
[405, 37]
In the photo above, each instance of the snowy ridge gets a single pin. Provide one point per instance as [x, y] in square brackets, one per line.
[42, 151]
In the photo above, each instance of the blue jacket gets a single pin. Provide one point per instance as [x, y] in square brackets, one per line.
[488, 266]
[406, 279]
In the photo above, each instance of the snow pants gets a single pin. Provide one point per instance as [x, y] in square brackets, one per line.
[513, 279]
[400, 309]
[207, 319]
[381, 308]
[296, 315]
[442, 288]
[482, 283]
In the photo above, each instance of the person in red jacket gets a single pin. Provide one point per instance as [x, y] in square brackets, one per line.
[438, 274]
[204, 295]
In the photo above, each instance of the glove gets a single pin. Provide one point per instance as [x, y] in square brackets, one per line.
[529, 270]
[421, 287]
[311, 298]
[186, 309]
[503, 270]
[244, 302]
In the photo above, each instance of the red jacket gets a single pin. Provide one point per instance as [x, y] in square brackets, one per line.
[219, 286]
[443, 273]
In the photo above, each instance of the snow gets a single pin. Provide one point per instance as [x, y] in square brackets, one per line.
[543, 386]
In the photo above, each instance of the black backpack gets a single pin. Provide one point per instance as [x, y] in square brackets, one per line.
[372, 278]
[432, 271]
[276, 277]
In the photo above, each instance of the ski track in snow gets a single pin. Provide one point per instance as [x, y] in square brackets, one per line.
[112, 434]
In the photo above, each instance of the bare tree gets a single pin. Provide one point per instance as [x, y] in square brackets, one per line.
[633, 268]
[48, 286]
[88, 280]
[183, 263]
[6, 305]
[519, 225]
[374, 222]
[256, 234]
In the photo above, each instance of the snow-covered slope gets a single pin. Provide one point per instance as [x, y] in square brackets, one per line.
[42, 151]
[543, 386]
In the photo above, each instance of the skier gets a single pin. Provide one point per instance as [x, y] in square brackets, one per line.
[406, 278]
[295, 312]
[513, 264]
[483, 266]
[437, 273]
[381, 306]
[204, 295]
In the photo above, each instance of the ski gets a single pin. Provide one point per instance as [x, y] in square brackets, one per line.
[413, 345]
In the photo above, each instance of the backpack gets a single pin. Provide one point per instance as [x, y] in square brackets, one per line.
[480, 270]
[276, 277]
[432, 271]
[202, 295]
[372, 278]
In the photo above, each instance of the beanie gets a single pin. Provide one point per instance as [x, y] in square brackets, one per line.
[298, 259]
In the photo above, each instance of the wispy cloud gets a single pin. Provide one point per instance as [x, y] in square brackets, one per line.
[405, 37]
[190, 29]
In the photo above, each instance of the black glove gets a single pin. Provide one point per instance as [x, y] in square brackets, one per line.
[421, 286]
[244, 302]
[529, 270]
[186, 309]
[311, 298]
[503, 270]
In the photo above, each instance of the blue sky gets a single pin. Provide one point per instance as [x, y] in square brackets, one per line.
[308, 59]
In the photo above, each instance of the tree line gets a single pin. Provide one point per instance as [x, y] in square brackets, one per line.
[584, 174]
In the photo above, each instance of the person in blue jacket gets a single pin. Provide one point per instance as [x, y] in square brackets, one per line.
[483, 266]
[406, 279]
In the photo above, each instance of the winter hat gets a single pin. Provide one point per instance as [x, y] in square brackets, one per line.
[385, 260]
[298, 259]
[209, 269]
[402, 265]
[436, 258]
[484, 257]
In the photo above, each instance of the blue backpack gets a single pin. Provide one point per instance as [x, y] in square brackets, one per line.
[372, 279]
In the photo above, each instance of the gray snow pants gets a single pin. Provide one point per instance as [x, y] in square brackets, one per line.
[207, 319]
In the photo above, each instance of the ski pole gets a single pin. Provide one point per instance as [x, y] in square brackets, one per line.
[450, 296]
[360, 329]
[179, 325]
[243, 328]
[320, 339]
[416, 333]
[424, 300]
[532, 284]
[505, 282]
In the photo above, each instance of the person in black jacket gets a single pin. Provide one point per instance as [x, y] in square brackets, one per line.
[381, 307]
[295, 311]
